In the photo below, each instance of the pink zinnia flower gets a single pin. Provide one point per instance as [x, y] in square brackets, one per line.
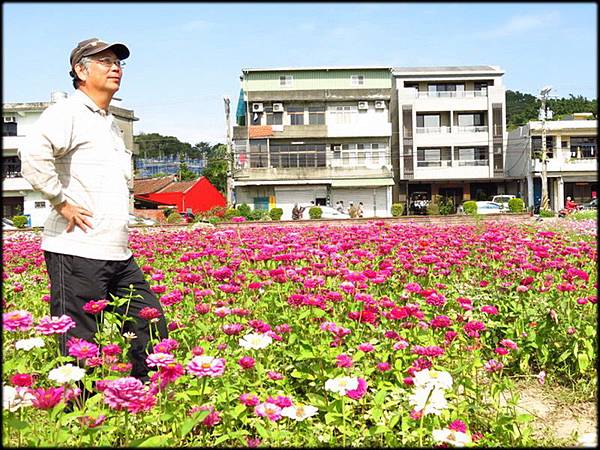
[55, 325]
[82, 349]
[121, 367]
[493, 366]
[19, 320]
[111, 349]
[233, 329]
[91, 422]
[159, 359]
[148, 313]
[384, 366]
[95, 306]
[489, 309]
[366, 347]
[47, 398]
[458, 425]
[249, 399]
[509, 344]
[274, 375]
[441, 322]
[281, 400]
[343, 360]
[269, 410]
[501, 351]
[247, 362]
[359, 392]
[22, 380]
[166, 346]
[206, 366]
[167, 374]
[128, 393]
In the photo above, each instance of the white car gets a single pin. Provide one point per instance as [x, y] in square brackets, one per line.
[137, 220]
[502, 200]
[7, 224]
[489, 208]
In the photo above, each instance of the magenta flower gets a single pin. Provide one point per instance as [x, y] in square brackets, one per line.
[384, 366]
[95, 306]
[441, 322]
[232, 329]
[269, 410]
[111, 350]
[274, 375]
[55, 325]
[148, 313]
[128, 393]
[489, 309]
[166, 346]
[247, 362]
[281, 400]
[359, 392]
[82, 349]
[493, 366]
[366, 347]
[19, 320]
[458, 425]
[206, 366]
[46, 398]
[509, 344]
[159, 359]
[22, 379]
[249, 399]
[343, 360]
[167, 374]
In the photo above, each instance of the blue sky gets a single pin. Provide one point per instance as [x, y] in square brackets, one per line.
[186, 56]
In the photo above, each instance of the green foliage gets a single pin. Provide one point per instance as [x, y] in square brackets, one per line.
[258, 214]
[445, 205]
[231, 213]
[521, 108]
[244, 210]
[174, 217]
[153, 145]
[186, 174]
[19, 221]
[216, 165]
[470, 207]
[516, 205]
[397, 209]
[168, 211]
[546, 213]
[590, 214]
[433, 209]
[315, 212]
[276, 213]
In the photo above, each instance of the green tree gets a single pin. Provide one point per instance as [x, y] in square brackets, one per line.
[216, 164]
[185, 174]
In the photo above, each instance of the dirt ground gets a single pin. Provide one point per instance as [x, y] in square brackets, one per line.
[556, 420]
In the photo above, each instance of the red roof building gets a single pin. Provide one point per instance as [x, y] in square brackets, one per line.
[196, 195]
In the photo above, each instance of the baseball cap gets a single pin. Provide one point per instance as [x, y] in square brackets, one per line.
[94, 45]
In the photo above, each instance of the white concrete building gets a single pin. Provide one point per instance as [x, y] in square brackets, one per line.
[451, 139]
[18, 196]
[314, 134]
[572, 167]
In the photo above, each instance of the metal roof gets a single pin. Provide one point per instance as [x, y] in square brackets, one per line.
[297, 69]
[447, 70]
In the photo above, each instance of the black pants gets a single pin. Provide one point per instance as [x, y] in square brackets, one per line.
[76, 280]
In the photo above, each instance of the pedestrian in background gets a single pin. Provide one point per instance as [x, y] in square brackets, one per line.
[76, 158]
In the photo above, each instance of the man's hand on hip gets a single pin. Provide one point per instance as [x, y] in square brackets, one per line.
[76, 215]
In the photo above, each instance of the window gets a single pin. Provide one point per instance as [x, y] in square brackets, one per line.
[471, 156]
[536, 145]
[446, 90]
[297, 155]
[316, 115]
[256, 118]
[273, 118]
[433, 157]
[583, 147]
[470, 120]
[9, 129]
[11, 167]
[481, 89]
[357, 80]
[286, 80]
[40, 205]
[296, 114]
[428, 120]
[344, 115]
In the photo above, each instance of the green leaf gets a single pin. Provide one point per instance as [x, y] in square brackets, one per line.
[190, 423]
[583, 361]
[524, 418]
[564, 355]
[156, 441]
[393, 421]
[235, 412]
[378, 430]
[261, 430]
[15, 423]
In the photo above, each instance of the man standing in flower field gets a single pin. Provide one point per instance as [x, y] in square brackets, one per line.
[75, 156]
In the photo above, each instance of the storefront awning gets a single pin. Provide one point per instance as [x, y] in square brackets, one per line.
[363, 182]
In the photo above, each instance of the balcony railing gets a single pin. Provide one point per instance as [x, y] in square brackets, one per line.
[471, 129]
[442, 163]
[472, 162]
[452, 94]
[433, 130]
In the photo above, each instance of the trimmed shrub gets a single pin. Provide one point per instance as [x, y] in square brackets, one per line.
[19, 221]
[546, 213]
[245, 210]
[276, 213]
[174, 217]
[470, 207]
[257, 214]
[397, 209]
[445, 204]
[433, 209]
[231, 213]
[315, 212]
[516, 205]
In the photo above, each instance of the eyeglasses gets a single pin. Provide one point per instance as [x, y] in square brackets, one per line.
[108, 62]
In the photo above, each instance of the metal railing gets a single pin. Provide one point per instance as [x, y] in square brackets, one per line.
[471, 129]
[432, 130]
[452, 94]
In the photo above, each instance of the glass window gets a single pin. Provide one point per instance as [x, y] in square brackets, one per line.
[286, 80]
[536, 144]
[296, 114]
[316, 115]
[583, 147]
[273, 118]
[9, 129]
[357, 80]
[428, 120]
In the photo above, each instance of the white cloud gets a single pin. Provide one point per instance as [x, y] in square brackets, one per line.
[521, 24]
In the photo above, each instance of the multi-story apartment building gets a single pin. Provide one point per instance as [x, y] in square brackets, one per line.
[449, 134]
[572, 164]
[314, 134]
[18, 196]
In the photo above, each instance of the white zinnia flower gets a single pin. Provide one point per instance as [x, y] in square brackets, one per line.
[452, 437]
[255, 341]
[428, 400]
[66, 374]
[28, 344]
[341, 385]
[299, 412]
[433, 378]
[588, 440]
[15, 398]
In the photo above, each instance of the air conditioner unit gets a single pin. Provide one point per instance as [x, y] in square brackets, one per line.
[9, 119]
[380, 104]
[363, 105]
[277, 107]
[257, 107]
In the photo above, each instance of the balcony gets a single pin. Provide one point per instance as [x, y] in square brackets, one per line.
[444, 136]
[445, 100]
[275, 174]
[433, 130]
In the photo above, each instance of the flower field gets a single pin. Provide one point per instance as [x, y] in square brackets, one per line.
[376, 334]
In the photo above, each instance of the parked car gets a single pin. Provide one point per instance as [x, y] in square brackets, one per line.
[137, 221]
[7, 224]
[502, 200]
[590, 205]
[484, 207]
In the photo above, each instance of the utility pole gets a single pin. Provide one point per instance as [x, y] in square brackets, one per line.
[229, 155]
[545, 201]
